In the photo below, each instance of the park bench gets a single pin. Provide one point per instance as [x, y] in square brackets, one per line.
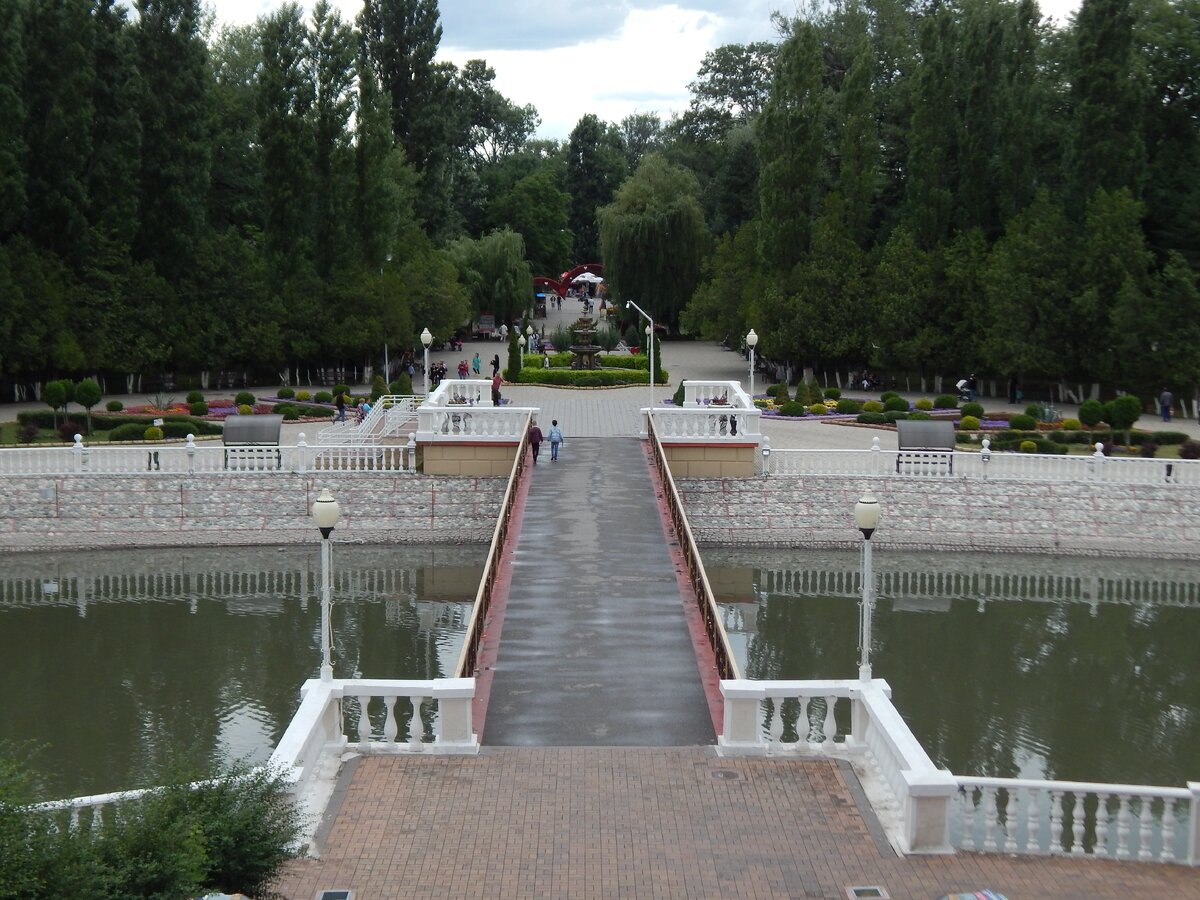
[926, 447]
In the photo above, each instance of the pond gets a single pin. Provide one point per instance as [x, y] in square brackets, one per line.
[1003, 665]
[127, 665]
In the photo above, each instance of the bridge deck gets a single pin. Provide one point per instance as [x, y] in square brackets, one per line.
[657, 822]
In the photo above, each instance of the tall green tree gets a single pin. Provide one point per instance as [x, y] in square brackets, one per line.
[595, 168]
[116, 144]
[13, 149]
[235, 193]
[495, 273]
[537, 210]
[653, 238]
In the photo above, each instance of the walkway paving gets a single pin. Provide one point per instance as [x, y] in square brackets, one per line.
[595, 650]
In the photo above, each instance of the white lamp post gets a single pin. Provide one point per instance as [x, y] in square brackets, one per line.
[751, 342]
[521, 352]
[426, 340]
[629, 304]
[325, 513]
[866, 520]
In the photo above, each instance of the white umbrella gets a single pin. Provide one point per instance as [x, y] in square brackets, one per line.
[588, 277]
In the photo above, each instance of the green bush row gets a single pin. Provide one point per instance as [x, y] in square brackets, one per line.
[1014, 443]
[586, 378]
[45, 419]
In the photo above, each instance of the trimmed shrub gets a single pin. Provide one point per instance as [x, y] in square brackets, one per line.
[320, 397]
[1148, 449]
[320, 412]
[1163, 438]
[341, 389]
[872, 406]
[402, 385]
[114, 406]
[887, 395]
[245, 410]
[153, 433]
[26, 433]
[291, 414]
[794, 408]
[1029, 446]
[1189, 449]
[871, 418]
[304, 395]
[282, 408]
[199, 408]
[924, 404]
[818, 409]
[195, 397]
[1024, 422]
[677, 397]
[244, 398]
[1122, 412]
[895, 415]
[969, 423]
[945, 401]
[920, 414]
[972, 409]
[578, 378]
[895, 404]
[131, 431]
[378, 388]
[285, 393]
[1091, 412]
[832, 394]
[1069, 425]
[848, 406]
[1033, 409]
[1060, 437]
[68, 430]
[779, 392]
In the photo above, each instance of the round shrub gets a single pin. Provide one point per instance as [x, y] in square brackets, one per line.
[945, 401]
[320, 397]
[895, 415]
[320, 412]
[285, 393]
[919, 415]
[1060, 437]
[291, 414]
[244, 398]
[153, 433]
[1023, 422]
[779, 392]
[68, 430]
[872, 406]
[972, 409]
[130, 431]
[1148, 449]
[341, 389]
[924, 404]
[1168, 437]
[832, 394]
[114, 406]
[1069, 425]
[282, 408]
[969, 423]
[848, 406]
[304, 395]
[1028, 447]
[818, 409]
[245, 409]
[1091, 412]
[402, 386]
[1189, 449]
[195, 396]
[198, 408]
[895, 404]
[871, 418]
[793, 408]
[887, 395]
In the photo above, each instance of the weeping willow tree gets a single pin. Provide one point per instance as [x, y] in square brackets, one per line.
[653, 238]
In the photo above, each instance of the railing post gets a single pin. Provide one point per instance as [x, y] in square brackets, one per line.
[740, 733]
[301, 453]
[412, 454]
[80, 454]
[877, 453]
[190, 446]
[1193, 849]
[1097, 461]
[986, 455]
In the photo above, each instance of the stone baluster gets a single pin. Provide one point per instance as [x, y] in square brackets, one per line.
[968, 825]
[1078, 814]
[1033, 816]
[776, 729]
[803, 726]
[98, 817]
[416, 726]
[390, 728]
[1100, 847]
[73, 822]
[412, 454]
[364, 721]
[1167, 852]
[1056, 822]
[989, 820]
[830, 724]
[1012, 815]
[1123, 828]
[1146, 828]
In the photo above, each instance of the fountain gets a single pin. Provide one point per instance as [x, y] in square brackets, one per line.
[585, 350]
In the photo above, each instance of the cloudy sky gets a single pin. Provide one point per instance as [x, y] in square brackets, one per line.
[571, 57]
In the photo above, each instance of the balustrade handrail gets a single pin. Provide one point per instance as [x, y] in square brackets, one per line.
[468, 659]
[710, 613]
[1074, 787]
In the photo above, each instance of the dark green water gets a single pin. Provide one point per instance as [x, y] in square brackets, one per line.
[125, 665]
[1056, 676]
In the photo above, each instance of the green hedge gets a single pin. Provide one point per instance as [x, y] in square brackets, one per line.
[1014, 443]
[44, 419]
[871, 418]
[586, 378]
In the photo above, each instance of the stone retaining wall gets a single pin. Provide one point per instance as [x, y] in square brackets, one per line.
[817, 510]
[85, 511]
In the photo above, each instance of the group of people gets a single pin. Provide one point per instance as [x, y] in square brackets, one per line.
[554, 436]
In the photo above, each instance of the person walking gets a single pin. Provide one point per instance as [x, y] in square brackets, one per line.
[1165, 399]
[341, 406]
[475, 363]
[556, 439]
[462, 370]
[535, 439]
[495, 365]
[496, 382]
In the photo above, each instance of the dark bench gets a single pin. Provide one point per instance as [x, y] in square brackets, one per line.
[926, 447]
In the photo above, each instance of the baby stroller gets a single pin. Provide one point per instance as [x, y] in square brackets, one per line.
[964, 392]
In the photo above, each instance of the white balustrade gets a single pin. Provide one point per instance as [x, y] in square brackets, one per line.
[1029, 816]
[462, 410]
[388, 415]
[707, 424]
[715, 393]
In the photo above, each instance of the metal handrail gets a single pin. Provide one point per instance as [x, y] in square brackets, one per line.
[727, 667]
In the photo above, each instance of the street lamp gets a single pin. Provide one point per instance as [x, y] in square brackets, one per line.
[521, 352]
[751, 342]
[426, 340]
[629, 304]
[866, 520]
[325, 513]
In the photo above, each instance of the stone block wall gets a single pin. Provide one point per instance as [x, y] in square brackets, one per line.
[82, 511]
[711, 460]
[939, 513]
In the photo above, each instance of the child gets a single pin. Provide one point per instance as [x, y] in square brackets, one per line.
[556, 439]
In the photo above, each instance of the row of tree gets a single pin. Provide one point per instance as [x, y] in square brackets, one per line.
[935, 187]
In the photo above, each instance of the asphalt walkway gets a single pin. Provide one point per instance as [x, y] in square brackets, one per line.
[594, 649]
